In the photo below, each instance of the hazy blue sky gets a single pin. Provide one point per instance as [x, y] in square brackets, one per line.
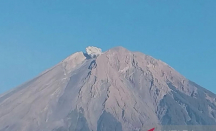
[37, 34]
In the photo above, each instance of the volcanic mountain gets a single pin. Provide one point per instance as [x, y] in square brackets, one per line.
[116, 90]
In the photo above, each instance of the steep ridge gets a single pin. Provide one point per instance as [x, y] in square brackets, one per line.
[117, 90]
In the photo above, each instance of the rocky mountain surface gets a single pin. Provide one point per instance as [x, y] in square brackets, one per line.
[117, 90]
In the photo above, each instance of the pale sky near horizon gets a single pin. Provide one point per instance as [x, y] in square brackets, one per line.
[36, 35]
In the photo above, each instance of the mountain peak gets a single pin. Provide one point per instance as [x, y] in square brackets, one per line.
[119, 48]
[118, 90]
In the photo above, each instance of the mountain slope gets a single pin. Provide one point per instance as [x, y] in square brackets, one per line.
[116, 90]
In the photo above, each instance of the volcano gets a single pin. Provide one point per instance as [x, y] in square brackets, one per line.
[116, 90]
